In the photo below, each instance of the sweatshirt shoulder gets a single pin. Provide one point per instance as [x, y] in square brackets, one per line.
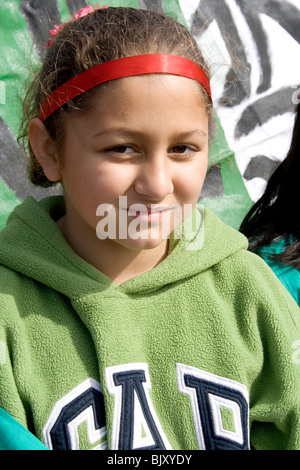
[260, 286]
[9, 279]
[221, 235]
[13, 291]
[250, 269]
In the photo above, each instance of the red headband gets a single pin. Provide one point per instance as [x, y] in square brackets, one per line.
[120, 68]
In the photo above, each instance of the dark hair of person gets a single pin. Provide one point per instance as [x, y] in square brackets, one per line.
[275, 215]
[101, 36]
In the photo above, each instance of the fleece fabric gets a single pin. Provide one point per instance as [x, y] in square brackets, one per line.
[202, 352]
[288, 275]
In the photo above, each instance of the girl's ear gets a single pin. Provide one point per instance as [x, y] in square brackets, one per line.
[44, 149]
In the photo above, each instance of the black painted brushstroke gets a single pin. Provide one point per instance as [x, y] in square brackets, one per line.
[286, 14]
[213, 184]
[237, 86]
[153, 5]
[262, 110]
[13, 167]
[251, 13]
[260, 167]
[75, 5]
[40, 18]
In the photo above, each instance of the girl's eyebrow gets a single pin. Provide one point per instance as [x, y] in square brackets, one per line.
[135, 133]
[117, 130]
[192, 133]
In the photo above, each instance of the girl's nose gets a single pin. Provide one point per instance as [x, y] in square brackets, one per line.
[154, 179]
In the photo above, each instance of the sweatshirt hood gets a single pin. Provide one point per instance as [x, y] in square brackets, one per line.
[32, 245]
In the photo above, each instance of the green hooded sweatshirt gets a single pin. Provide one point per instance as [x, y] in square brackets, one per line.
[202, 352]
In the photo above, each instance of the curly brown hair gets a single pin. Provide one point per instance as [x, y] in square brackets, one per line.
[101, 36]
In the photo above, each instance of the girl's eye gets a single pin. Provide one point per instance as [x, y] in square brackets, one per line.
[181, 150]
[120, 149]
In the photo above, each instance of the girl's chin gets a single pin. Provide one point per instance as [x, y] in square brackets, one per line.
[141, 244]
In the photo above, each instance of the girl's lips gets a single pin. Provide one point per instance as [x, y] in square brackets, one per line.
[146, 214]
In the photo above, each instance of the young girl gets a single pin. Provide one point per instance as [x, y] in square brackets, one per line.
[272, 225]
[131, 319]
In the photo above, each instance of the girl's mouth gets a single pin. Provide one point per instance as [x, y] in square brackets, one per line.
[147, 214]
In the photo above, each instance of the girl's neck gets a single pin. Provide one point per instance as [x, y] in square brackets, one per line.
[117, 262]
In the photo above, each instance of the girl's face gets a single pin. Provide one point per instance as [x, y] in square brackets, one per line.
[145, 139]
